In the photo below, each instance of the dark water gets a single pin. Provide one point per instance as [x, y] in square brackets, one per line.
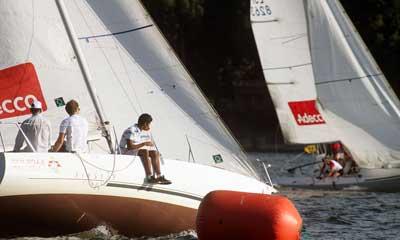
[326, 214]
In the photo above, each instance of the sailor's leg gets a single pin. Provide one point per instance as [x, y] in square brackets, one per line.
[155, 162]
[144, 156]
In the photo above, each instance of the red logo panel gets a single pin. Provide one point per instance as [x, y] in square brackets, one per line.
[306, 113]
[19, 87]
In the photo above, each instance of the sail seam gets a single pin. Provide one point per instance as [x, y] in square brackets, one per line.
[116, 33]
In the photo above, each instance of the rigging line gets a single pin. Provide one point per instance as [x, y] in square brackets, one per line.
[190, 80]
[349, 79]
[119, 50]
[378, 91]
[130, 84]
[115, 33]
[112, 170]
[287, 67]
[155, 145]
[84, 67]
[209, 115]
[108, 60]
[2, 141]
[212, 145]
[87, 173]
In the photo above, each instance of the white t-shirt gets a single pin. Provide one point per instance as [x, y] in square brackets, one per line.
[335, 166]
[137, 136]
[38, 131]
[75, 129]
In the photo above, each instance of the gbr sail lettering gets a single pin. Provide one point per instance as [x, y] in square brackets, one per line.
[259, 8]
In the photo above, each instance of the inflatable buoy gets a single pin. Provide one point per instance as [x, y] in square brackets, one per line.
[231, 215]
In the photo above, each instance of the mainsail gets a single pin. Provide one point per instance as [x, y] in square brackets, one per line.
[133, 71]
[280, 29]
[348, 96]
[38, 63]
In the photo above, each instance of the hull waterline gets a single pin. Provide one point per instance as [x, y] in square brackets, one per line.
[378, 180]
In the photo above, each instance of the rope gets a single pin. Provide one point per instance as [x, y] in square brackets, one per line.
[87, 174]
[112, 172]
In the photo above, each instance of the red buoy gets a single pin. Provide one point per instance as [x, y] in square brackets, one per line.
[227, 215]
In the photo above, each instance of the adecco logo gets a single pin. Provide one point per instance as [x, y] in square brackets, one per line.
[19, 87]
[306, 113]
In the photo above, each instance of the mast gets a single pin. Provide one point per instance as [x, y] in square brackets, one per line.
[85, 70]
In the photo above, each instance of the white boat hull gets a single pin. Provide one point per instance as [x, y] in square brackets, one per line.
[61, 193]
[383, 180]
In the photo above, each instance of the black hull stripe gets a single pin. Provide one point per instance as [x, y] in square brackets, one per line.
[2, 166]
[145, 187]
[382, 179]
[158, 190]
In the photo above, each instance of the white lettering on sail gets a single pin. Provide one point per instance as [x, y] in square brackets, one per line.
[306, 113]
[261, 10]
[309, 119]
[19, 104]
[19, 87]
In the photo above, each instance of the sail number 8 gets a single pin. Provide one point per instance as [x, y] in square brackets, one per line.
[260, 10]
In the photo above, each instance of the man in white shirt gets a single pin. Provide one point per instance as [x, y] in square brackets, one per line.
[36, 129]
[335, 169]
[73, 129]
[136, 140]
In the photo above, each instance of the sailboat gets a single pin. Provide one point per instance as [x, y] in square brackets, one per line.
[326, 88]
[111, 58]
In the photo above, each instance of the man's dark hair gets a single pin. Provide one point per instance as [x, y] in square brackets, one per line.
[35, 111]
[144, 118]
[72, 107]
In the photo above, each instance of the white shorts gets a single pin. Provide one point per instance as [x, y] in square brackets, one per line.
[126, 151]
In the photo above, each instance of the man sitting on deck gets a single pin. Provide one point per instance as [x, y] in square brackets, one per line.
[343, 157]
[136, 140]
[73, 131]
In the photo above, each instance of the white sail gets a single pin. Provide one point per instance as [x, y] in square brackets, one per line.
[133, 71]
[38, 63]
[352, 87]
[280, 30]
[354, 100]
[136, 71]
